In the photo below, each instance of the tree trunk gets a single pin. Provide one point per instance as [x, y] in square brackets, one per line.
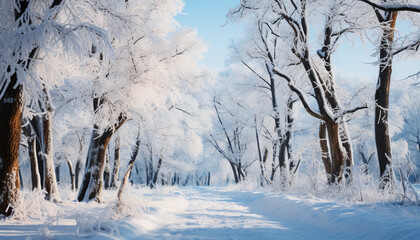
[71, 172]
[273, 163]
[337, 155]
[259, 153]
[156, 175]
[36, 123]
[128, 172]
[285, 146]
[92, 182]
[325, 153]
[11, 106]
[57, 173]
[235, 172]
[328, 85]
[79, 160]
[276, 119]
[116, 168]
[107, 171]
[35, 177]
[382, 138]
[208, 179]
[50, 179]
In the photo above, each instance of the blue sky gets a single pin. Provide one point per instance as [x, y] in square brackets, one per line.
[209, 18]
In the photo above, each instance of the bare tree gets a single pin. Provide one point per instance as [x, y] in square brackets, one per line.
[386, 14]
[234, 147]
[293, 15]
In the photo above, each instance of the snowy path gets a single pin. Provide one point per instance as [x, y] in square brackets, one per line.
[217, 213]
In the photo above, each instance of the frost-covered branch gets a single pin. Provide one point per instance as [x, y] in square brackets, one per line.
[413, 46]
[393, 7]
[300, 94]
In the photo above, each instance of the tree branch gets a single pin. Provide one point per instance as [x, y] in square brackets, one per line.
[413, 46]
[300, 95]
[394, 7]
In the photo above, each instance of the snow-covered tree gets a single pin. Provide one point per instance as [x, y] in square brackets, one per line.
[286, 22]
[390, 45]
[30, 31]
[148, 76]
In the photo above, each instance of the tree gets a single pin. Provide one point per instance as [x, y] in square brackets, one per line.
[231, 132]
[29, 29]
[386, 14]
[282, 19]
[261, 52]
[149, 77]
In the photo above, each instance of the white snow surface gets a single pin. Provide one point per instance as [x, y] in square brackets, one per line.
[212, 213]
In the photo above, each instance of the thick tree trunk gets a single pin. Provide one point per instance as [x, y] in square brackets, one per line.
[92, 182]
[343, 130]
[325, 152]
[116, 168]
[338, 157]
[11, 105]
[328, 85]
[382, 138]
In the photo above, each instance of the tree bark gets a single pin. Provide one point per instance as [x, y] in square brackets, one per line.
[116, 168]
[50, 179]
[260, 157]
[79, 160]
[325, 153]
[36, 123]
[128, 172]
[92, 182]
[32, 152]
[71, 173]
[285, 145]
[57, 173]
[382, 138]
[337, 155]
[276, 119]
[338, 158]
[156, 175]
[10, 124]
[106, 171]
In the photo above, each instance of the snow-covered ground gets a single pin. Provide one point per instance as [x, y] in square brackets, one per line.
[211, 213]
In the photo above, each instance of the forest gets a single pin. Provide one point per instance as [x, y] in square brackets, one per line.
[100, 98]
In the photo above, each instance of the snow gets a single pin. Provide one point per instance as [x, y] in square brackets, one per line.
[212, 213]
